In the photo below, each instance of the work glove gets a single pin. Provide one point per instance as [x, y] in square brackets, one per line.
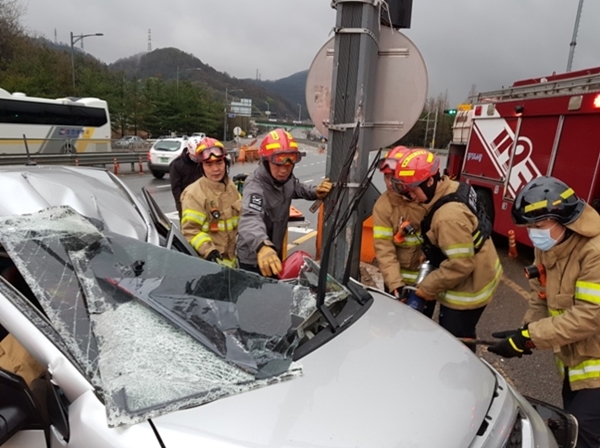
[513, 343]
[214, 256]
[268, 261]
[324, 188]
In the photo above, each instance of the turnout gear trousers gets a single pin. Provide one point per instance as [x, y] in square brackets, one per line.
[210, 217]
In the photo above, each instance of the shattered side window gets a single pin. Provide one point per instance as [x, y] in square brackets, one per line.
[154, 330]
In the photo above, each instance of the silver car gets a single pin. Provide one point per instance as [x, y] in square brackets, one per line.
[147, 346]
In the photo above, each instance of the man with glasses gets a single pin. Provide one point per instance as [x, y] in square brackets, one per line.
[456, 241]
[211, 206]
[267, 196]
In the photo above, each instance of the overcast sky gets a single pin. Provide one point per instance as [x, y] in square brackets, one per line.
[489, 43]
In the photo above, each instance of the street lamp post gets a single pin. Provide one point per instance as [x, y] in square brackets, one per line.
[74, 40]
[225, 111]
[299, 111]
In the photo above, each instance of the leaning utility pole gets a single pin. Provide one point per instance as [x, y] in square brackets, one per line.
[352, 98]
[574, 39]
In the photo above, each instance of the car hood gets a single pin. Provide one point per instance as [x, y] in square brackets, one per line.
[393, 378]
[92, 192]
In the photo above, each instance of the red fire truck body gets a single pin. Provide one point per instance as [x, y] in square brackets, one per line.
[537, 127]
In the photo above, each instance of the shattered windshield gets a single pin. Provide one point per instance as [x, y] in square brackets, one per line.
[155, 330]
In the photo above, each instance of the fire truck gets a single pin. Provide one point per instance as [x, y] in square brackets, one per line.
[536, 127]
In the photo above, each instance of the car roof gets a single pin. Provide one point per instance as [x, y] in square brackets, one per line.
[93, 192]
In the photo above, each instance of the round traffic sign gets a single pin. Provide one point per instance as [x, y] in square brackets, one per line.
[400, 92]
[237, 131]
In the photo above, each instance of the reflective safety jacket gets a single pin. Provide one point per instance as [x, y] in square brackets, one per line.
[266, 211]
[568, 319]
[465, 280]
[398, 260]
[210, 217]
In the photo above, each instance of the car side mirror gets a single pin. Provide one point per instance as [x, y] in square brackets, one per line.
[18, 408]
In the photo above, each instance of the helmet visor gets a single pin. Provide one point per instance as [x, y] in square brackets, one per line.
[209, 154]
[285, 157]
[387, 165]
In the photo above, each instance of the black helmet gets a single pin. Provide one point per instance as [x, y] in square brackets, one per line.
[546, 197]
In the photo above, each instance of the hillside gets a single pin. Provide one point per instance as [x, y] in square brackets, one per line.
[170, 63]
[291, 88]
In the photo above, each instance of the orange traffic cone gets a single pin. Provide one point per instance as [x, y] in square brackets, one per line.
[115, 166]
[140, 165]
[512, 244]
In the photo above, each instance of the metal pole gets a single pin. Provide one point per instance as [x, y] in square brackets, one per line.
[574, 39]
[352, 98]
[177, 82]
[299, 111]
[73, 64]
[426, 129]
[435, 126]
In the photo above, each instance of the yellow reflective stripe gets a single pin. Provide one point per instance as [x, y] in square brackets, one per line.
[403, 173]
[510, 341]
[223, 225]
[459, 251]
[273, 146]
[409, 276]
[584, 371]
[567, 193]
[193, 216]
[229, 263]
[410, 241]
[199, 240]
[475, 298]
[555, 312]
[588, 291]
[536, 206]
[478, 239]
[383, 233]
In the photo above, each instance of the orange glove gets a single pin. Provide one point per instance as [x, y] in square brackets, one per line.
[268, 261]
[422, 294]
[324, 188]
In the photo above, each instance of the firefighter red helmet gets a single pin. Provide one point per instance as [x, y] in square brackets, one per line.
[414, 168]
[387, 164]
[209, 149]
[291, 265]
[279, 147]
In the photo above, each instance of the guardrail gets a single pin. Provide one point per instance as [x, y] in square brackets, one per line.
[80, 159]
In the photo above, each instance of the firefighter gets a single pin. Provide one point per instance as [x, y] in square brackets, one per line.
[455, 233]
[398, 251]
[184, 170]
[267, 196]
[211, 206]
[564, 307]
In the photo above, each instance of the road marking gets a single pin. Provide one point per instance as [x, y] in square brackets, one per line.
[303, 230]
[302, 239]
[516, 288]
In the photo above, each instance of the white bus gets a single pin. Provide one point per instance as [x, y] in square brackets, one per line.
[53, 126]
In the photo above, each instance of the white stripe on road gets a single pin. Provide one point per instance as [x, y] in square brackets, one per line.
[302, 230]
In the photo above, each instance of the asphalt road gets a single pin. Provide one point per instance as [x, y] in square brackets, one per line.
[534, 375]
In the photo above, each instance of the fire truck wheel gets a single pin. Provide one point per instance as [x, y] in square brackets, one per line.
[485, 199]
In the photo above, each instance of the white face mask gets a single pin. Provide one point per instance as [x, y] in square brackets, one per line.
[541, 238]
